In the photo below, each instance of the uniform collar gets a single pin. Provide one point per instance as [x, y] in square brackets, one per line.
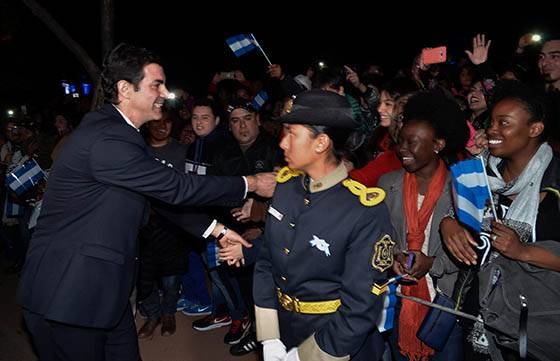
[328, 181]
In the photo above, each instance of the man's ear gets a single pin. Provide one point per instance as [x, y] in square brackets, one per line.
[258, 118]
[536, 129]
[124, 88]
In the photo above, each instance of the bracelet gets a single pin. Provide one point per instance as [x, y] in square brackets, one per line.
[222, 233]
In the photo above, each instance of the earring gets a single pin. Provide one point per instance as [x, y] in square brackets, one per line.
[436, 151]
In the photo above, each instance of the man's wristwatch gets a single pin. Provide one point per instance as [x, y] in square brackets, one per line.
[222, 233]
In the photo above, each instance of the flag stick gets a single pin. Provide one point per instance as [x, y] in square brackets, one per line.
[488, 187]
[262, 51]
[440, 307]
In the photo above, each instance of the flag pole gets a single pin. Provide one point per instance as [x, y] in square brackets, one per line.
[488, 187]
[262, 51]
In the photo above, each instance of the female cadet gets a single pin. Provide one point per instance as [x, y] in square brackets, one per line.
[327, 241]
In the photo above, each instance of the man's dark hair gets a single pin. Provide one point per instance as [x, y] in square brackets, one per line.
[124, 62]
[207, 102]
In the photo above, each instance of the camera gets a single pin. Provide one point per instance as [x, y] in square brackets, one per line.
[227, 75]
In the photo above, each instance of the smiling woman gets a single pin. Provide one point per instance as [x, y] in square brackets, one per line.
[418, 196]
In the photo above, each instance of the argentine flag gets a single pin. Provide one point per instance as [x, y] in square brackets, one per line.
[470, 192]
[25, 177]
[259, 99]
[241, 44]
[387, 316]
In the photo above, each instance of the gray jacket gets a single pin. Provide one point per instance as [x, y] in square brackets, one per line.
[444, 270]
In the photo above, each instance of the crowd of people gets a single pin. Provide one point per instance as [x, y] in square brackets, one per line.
[275, 220]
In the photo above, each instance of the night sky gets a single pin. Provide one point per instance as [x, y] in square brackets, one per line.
[191, 39]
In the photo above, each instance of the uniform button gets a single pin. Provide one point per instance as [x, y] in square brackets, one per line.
[136, 258]
[286, 251]
[283, 278]
[292, 225]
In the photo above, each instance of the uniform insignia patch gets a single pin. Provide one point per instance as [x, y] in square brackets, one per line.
[321, 245]
[383, 253]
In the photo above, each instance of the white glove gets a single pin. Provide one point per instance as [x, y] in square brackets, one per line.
[292, 355]
[273, 350]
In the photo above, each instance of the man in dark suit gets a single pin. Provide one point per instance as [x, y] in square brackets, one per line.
[80, 266]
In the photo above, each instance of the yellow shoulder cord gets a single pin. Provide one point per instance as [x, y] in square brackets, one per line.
[286, 173]
[369, 197]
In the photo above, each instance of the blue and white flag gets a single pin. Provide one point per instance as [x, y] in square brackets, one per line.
[470, 192]
[260, 99]
[387, 316]
[241, 44]
[13, 210]
[25, 177]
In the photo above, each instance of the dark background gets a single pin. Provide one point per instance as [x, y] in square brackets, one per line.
[191, 35]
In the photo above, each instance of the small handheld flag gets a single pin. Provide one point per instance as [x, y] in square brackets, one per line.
[260, 99]
[471, 192]
[241, 44]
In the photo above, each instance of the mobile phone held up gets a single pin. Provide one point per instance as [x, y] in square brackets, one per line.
[227, 75]
[434, 55]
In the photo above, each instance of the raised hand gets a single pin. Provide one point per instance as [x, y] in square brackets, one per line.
[275, 71]
[479, 52]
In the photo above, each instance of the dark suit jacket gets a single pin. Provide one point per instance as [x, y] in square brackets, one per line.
[81, 259]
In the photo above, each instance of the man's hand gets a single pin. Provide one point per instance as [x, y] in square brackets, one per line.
[274, 350]
[458, 241]
[354, 79]
[275, 71]
[243, 214]
[229, 238]
[232, 254]
[262, 183]
[239, 76]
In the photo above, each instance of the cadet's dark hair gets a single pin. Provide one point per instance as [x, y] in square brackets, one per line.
[532, 100]
[438, 109]
[344, 140]
[124, 62]
[207, 102]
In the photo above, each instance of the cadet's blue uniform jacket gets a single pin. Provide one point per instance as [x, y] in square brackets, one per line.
[325, 212]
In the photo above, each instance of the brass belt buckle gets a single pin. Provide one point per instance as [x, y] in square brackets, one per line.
[289, 303]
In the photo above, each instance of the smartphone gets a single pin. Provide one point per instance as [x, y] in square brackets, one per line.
[434, 55]
[227, 75]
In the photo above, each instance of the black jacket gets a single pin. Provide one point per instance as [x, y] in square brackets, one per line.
[81, 259]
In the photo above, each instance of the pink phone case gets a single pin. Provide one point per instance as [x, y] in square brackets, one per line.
[434, 55]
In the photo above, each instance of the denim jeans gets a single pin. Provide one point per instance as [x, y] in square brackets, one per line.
[225, 291]
[194, 281]
[156, 306]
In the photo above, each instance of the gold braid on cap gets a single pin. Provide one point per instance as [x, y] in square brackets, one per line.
[369, 197]
[286, 173]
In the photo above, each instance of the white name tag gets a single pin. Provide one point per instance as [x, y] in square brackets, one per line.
[275, 213]
[195, 168]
